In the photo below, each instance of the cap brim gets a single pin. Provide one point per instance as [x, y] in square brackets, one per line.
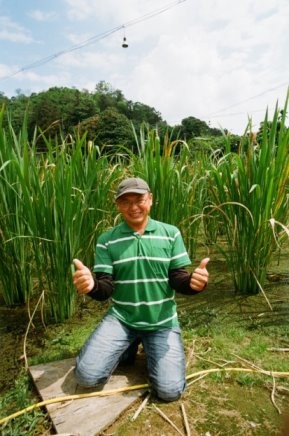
[132, 191]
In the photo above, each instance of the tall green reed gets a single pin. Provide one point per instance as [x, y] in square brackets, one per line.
[72, 198]
[176, 180]
[249, 189]
[53, 205]
[15, 248]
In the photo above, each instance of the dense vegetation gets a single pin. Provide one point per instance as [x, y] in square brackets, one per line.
[105, 115]
[229, 197]
[53, 204]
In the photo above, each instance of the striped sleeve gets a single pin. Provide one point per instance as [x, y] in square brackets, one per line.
[179, 256]
[103, 261]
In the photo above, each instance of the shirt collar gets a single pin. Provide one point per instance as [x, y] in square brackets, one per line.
[150, 227]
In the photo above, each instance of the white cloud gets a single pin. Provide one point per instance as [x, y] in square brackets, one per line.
[5, 70]
[35, 82]
[209, 61]
[76, 38]
[90, 61]
[194, 63]
[12, 32]
[42, 15]
[111, 11]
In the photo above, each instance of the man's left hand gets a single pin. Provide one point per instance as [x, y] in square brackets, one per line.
[200, 276]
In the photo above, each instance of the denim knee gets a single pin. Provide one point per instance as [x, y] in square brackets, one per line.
[87, 380]
[171, 393]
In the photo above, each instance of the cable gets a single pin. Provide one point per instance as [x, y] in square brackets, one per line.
[246, 100]
[95, 38]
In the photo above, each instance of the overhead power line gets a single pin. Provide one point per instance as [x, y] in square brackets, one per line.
[220, 111]
[96, 38]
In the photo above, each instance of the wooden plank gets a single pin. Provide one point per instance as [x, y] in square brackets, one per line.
[86, 416]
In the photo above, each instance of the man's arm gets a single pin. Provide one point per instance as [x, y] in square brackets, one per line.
[98, 286]
[103, 286]
[179, 280]
[187, 283]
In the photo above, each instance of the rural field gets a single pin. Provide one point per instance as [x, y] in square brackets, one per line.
[230, 206]
[221, 330]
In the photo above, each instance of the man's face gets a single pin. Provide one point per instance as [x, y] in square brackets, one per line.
[135, 208]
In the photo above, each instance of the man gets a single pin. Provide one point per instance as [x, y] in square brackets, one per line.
[139, 263]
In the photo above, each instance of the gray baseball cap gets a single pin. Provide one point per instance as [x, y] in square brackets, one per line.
[132, 185]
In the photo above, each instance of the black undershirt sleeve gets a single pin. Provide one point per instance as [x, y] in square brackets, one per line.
[103, 286]
[179, 280]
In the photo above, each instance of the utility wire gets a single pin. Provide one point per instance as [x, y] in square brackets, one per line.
[234, 114]
[130, 23]
[96, 38]
[212, 114]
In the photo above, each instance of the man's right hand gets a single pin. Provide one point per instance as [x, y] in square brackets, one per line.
[82, 278]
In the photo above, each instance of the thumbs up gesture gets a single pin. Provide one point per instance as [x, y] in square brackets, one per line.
[200, 276]
[82, 278]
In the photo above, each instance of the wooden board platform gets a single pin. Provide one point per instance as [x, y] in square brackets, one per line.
[86, 416]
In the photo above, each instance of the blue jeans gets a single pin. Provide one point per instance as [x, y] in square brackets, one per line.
[164, 352]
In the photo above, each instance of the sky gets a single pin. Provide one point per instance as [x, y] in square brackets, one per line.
[221, 61]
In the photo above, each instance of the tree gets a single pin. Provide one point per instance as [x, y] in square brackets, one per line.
[105, 96]
[60, 110]
[192, 127]
[17, 108]
[90, 127]
[3, 99]
[141, 113]
[4, 103]
[114, 129]
[46, 115]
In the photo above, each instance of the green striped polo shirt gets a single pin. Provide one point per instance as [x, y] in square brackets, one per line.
[142, 297]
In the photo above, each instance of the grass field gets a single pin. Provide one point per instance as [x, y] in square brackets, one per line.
[54, 205]
[221, 330]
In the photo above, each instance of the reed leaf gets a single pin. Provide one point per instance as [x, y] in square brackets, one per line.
[176, 181]
[250, 189]
[53, 206]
